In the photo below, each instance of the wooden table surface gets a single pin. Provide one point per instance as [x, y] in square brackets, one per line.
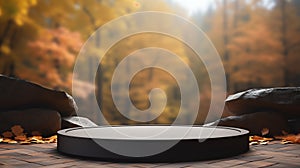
[45, 155]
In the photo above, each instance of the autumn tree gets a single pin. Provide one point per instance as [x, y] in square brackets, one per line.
[53, 55]
[258, 35]
[13, 19]
[284, 23]
[24, 21]
[255, 54]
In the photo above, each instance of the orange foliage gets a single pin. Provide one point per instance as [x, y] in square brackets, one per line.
[290, 138]
[53, 56]
[17, 136]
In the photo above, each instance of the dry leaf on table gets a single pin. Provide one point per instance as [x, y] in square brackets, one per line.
[258, 140]
[7, 134]
[21, 138]
[7, 140]
[17, 130]
[286, 142]
[265, 131]
[253, 143]
[291, 138]
[17, 135]
[25, 142]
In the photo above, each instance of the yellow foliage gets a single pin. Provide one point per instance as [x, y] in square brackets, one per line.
[16, 10]
[5, 49]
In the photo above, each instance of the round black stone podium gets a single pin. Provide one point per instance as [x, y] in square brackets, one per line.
[197, 143]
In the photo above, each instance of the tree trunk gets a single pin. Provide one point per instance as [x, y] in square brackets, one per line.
[9, 67]
[5, 32]
[285, 51]
[236, 14]
[234, 85]
[225, 41]
[99, 74]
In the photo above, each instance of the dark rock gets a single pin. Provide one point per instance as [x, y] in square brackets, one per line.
[285, 100]
[19, 95]
[76, 121]
[294, 124]
[256, 122]
[45, 121]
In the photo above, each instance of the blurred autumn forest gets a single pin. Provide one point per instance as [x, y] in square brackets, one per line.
[258, 41]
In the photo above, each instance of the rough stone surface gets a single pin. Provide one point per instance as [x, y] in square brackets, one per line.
[255, 122]
[32, 106]
[285, 100]
[294, 125]
[19, 94]
[75, 121]
[45, 121]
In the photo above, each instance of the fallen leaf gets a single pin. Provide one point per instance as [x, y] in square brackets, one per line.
[17, 130]
[264, 143]
[253, 143]
[6, 140]
[35, 138]
[265, 131]
[17, 135]
[284, 132]
[290, 138]
[259, 138]
[12, 142]
[286, 142]
[25, 142]
[52, 139]
[254, 138]
[268, 139]
[21, 138]
[7, 134]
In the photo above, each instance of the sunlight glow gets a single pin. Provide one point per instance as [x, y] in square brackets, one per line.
[193, 6]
